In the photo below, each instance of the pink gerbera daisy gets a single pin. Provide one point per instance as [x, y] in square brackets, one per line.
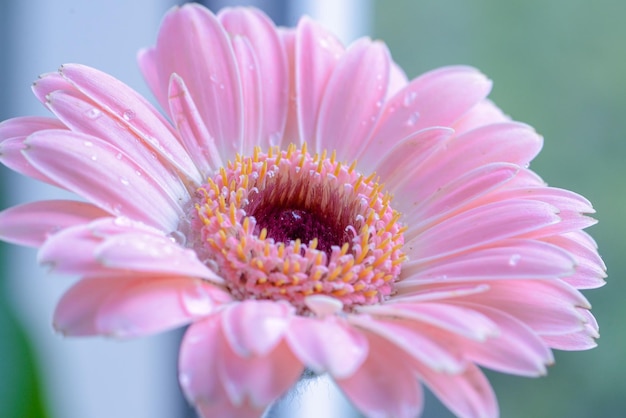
[303, 205]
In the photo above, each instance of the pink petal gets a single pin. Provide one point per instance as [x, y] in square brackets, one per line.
[117, 185]
[435, 353]
[590, 269]
[254, 328]
[115, 246]
[83, 116]
[583, 339]
[270, 63]
[133, 306]
[483, 113]
[261, 379]
[546, 306]
[32, 223]
[409, 152]
[133, 112]
[510, 259]
[501, 143]
[516, 350]
[454, 319]
[317, 52]
[315, 342]
[291, 132]
[221, 384]
[385, 385]
[193, 44]
[194, 134]
[48, 83]
[13, 132]
[461, 194]
[353, 98]
[466, 394]
[481, 226]
[437, 98]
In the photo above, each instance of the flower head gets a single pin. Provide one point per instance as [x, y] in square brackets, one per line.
[303, 205]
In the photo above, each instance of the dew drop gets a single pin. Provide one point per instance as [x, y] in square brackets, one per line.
[195, 300]
[88, 143]
[119, 156]
[124, 181]
[128, 115]
[213, 78]
[117, 208]
[93, 113]
[179, 238]
[274, 138]
[94, 157]
[514, 259]
[409, 98]
[413, 118]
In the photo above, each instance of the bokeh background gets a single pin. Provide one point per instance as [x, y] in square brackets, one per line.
[559, 65]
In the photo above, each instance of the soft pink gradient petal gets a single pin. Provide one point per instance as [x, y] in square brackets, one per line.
[514, 143]
[13, 133]
[590, 269]
[437, 354]
[82, 115]
[459, 320]
[385, 385]
[353, 98]
[317, 52]
[291, 133]
[480, 226]
[460, 194]
[31, 224]
[193, 44]
[316, 341]
[254, 328]
[510, 259]
[111, 246]
[259, 380]
[117, 185]
[467, 394]
[270, 63]
[583, 339]
[222, 384]
[483, 113]
[133, 112]
[517, 349]
[48, 83]
[194, 134]
[134, 305]
[436, 98]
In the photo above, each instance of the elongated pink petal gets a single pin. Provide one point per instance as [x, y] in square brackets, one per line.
[116, 246]
[193, 44]
[466, 394]
[481, 226]
[32, 223]
[13, 133]
[590, 269]
[385, 385]
[517, 349]
[510, 259]
[133, 112]
[583, 339]
[82, 115]
[482, 113]
[270, 63]
[316, 53]
[460, 194]
[432, 352]
[132, 306]
[436, 98]
[410, 151]
[117, 185]
[455, 319]
[259, 380]
[500, 143]
[194, 134]
[48, 83]
[220, 383]
[291, 134]
[254, 328]
[353, 98]
[314, 341]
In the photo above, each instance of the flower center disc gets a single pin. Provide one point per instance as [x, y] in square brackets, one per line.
[284, 225]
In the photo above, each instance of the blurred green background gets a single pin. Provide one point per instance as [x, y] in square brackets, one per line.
[560, 66]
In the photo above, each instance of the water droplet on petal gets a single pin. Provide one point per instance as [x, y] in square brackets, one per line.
[413, 118]
[88, 143]
[409, 98]
[94, 157]
[93, 113]
[124, 181]
[128, 115]
[119, 156]
[179, 238]
[196, 301]
[515, 258]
